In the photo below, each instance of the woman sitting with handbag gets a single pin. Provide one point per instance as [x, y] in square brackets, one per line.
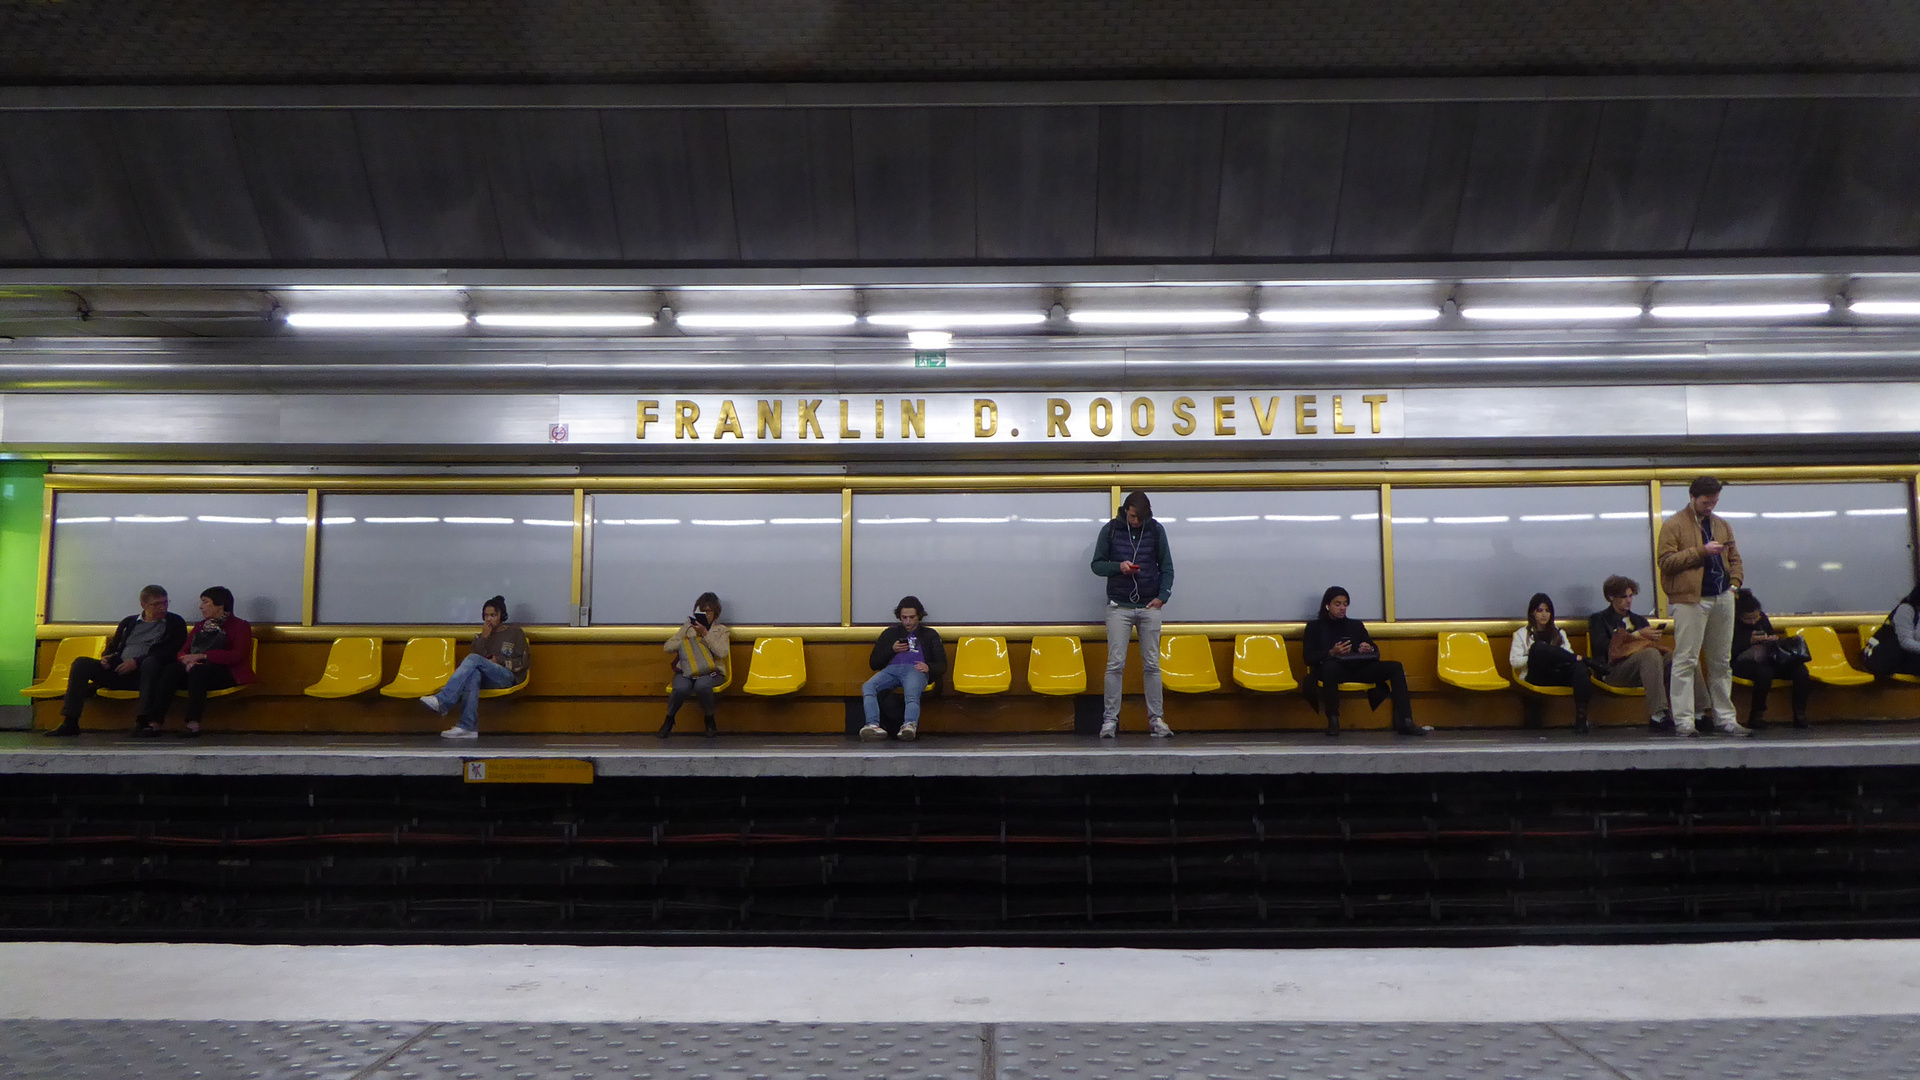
[1543, 656]
[1760, 655]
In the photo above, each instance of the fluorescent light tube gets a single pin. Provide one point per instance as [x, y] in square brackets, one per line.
[1551, 312]
[564, 322]
[947, 320]
[1156, 318]
[1337, 316]
[1885, 307]
[1739, 311]
[929, 339]
[376, 320]
[792, 320]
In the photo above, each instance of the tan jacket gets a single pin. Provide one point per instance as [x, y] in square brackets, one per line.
[1682, 556]
[717, 643]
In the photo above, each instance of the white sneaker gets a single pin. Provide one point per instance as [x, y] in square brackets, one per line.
[1730, 727]
[458, 732]
[1684, 729]
[1159, 729]
[433, 702]
[1109, 728]
[908, 732]
[873, 733]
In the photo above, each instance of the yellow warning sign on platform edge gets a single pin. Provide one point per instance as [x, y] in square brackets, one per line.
[528, 770]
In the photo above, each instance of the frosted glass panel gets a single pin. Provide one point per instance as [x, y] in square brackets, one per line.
[1266, 556]
[1811, 548]
[770, 558]
[437, 558]
[979, 558]
[107, 546]
[1480, 553]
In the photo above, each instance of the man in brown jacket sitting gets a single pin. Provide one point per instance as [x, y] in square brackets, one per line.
[1700, 569]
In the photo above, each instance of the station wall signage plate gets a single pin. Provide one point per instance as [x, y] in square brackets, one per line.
[527, 770]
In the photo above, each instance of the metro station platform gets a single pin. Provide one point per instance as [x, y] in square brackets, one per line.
[983, 756]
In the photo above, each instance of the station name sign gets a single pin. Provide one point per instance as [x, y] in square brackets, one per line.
[1154, 416]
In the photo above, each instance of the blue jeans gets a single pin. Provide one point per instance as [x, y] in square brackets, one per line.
[911, 681]
[474, 673]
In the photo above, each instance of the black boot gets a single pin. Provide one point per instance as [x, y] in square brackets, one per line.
[1800, 720]
[1333, 721]
[666, 728]
[1580, 725]
[1404, 725]
[1756, 719]
[69, 727]
[713, 728]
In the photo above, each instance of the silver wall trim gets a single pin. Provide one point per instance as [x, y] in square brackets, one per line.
[213, 425]
[971, 94]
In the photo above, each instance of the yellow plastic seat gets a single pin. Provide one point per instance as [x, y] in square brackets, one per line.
[1619, 691]
[1543, 691]
[70, 649]
[1829, 664]
[981, 666]
[1057, 666]
[1260, 663]
[1466, 661]
[1867, 630]
[1186, 664]
[425, 666]
[779, 666]
[507, 691]
[1777, 683]
[353, 667]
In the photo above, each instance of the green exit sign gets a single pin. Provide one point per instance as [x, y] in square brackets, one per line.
[930, 359]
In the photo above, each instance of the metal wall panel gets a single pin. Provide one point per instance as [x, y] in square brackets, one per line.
[1479, 553]
[1626, 414]
[185, 173]
[1770, 168]
[1037, 182]
[1650, 162]
[1013, 557]
[107, 546]
[309, 185]
[1406, 165]
[672, 183]
[550, 186]
[437, 558]
[428, 173]
[1870, 198]
[1526, 175]
[1160, 180]
[913, 180]
[68, 181]
[1280, 180]
[793, 183]
[16, 240]
[1810, 548]
[1266, 556]
[771, 558]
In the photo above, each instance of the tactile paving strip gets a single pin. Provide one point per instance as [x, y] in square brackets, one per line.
[692, 1052]
[172, 1050]
[1290, 1051]
[1851, 1047]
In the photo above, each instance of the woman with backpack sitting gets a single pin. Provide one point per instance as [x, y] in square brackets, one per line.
[1895, 648]
[1760, 656]
[1542, 655]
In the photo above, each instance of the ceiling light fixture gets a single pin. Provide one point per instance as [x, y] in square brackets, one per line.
[1885, 307]
[792, 320]
[1739, 311]
[1172, 317]
[1339, 316]
[376, 320]
[564, 322]
[947, 320]
[1550, 312]
[929, 339]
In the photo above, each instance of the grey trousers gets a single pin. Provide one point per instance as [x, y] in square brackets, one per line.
[1703, 638]
[1121, 623]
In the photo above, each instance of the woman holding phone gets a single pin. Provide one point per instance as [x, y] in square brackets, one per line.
[699, 651]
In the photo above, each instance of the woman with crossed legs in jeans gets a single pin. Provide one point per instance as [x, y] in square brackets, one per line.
[496, 659]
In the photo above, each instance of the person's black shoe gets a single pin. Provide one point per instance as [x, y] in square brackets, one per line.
[1661, 725]
[1408, 727]
[1580, 724]
[1756, 721]
[147, 731]
[713, 727]
[666, 728]
[67, 730]
[1800, 721]
[1333, 723]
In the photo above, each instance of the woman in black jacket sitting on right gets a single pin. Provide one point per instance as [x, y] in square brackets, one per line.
[1338, 649]
[1759, 659]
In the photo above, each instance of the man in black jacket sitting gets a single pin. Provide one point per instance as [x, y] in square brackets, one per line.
[909, 656]
[138, 652]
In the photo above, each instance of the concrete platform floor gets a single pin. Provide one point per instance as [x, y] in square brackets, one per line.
[1550, 750]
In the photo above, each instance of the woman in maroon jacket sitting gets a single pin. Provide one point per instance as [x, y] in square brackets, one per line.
[217, 654]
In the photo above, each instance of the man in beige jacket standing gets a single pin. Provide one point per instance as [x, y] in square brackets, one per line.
[1700, 569]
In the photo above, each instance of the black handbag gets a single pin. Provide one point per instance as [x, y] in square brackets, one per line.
[1791, 650]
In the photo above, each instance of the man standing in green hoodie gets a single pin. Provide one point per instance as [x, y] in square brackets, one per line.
[1132, 554]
